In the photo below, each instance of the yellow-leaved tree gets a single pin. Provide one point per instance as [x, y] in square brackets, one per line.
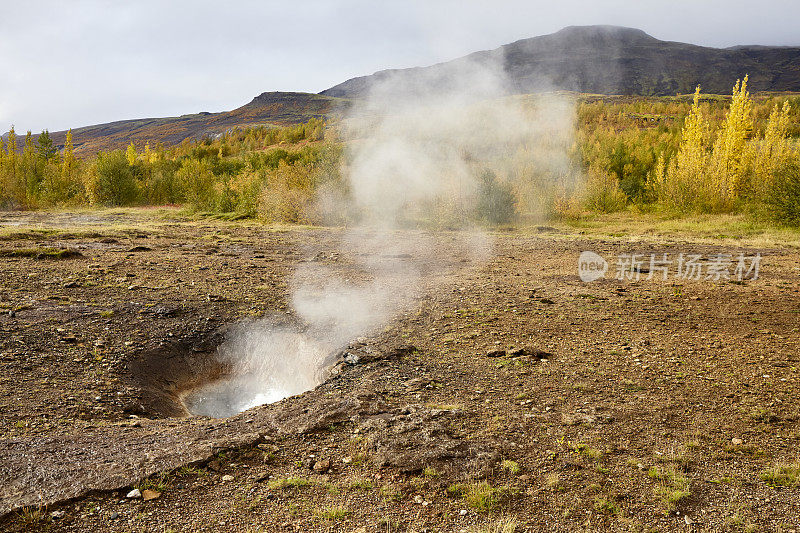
[131, 155]
[727, 169]
[764, 157]
[681, 182]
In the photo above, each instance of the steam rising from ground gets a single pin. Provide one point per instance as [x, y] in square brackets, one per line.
[417, 151]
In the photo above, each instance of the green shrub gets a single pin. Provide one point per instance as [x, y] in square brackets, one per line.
[112, 181]
[603, 193]
[197, 183]
[496, 202]
[783, 197]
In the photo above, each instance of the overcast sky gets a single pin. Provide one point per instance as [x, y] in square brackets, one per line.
[80, 62]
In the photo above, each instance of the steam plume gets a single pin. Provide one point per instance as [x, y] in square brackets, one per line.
[416, 149]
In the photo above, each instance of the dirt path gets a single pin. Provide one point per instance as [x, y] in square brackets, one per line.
[634, 404]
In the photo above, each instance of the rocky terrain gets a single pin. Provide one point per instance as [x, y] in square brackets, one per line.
[509, 395]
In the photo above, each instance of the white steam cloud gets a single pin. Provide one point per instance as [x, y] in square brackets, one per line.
[417, 148]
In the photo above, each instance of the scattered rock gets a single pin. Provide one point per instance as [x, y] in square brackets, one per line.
[416, 384]
[113, 516]
[148, 494]
[322, 466]
[227, 477]
[57, 515]
[531, 352]
[418, 437]
[463, 512]
[135, 493]
[736, 441]
[588, 415]
[12, 313]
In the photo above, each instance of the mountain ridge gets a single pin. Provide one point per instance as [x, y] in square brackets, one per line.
[613, 60]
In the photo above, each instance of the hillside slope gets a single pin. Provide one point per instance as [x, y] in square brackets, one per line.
[610, 60]
[275, 108]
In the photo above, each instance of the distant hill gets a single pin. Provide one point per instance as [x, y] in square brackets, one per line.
[275, 108]
[612, 60]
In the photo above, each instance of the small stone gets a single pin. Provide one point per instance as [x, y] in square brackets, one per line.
[57, 514]
[347, 460]
[736, 441]
[150, 494]
[418, 499]
[463, 512]
[113, 516]
[688, 521]
[12, 313]
[135, 493]
[322, 466]
[227, 477]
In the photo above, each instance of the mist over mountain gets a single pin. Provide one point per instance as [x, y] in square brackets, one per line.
[613, 60]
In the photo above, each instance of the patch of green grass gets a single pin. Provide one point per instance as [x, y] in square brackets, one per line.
[583, 387]
[632, 386]
[673, 485]
[361, 484]
[586, 451]
[41, 253]
[552, 480]
[763, 415]
[33, 516]
[501, 525]
[388, 492]
[191, 471]
[285, 483]
[738, 521]
[605, 506]
[430, 472]
[785, 475]
[335, 513]
[158, 483]
[511, 466]
[480, 496]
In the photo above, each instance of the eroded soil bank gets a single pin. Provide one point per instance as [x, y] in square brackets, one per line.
[634, 404]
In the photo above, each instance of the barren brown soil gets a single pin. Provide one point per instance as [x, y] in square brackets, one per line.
[627, 394]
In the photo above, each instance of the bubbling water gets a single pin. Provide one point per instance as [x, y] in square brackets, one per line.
[267, 364]
[228, 397]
